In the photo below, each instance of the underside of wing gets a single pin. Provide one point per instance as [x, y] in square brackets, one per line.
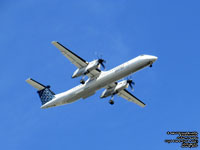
[94, 73]
[111, 85]
[130, 97]
[75, 59]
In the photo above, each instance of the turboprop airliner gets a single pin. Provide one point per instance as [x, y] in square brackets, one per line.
[97, 79]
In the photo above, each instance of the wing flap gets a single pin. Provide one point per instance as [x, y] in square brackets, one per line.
[130, 97]
[111, 85]
[94, 73]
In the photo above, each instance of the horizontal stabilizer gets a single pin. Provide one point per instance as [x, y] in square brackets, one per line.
[35, 84]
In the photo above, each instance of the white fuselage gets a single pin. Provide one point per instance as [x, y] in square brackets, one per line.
[103, 80]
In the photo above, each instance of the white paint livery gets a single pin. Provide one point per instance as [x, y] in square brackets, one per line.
[98, 79]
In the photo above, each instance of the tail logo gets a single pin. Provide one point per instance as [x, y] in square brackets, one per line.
[46, 95]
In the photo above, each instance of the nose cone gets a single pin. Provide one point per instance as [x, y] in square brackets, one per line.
[152, 58]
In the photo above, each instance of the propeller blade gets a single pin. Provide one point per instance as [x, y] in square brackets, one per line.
[131, 83]
[102, 61]
[131, 86]
[103, 65]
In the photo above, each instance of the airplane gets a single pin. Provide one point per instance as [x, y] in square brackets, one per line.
[97, 79]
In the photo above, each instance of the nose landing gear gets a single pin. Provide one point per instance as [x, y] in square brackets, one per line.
[151, 64]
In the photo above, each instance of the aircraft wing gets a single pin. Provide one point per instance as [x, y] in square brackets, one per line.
[128, 96]
[94, 73]
[75, 59]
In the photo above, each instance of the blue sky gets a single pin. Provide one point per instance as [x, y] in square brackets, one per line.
[120, 31]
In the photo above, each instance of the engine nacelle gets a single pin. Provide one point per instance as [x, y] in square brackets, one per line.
[79, 72]
[92, 65]
[85, 70]
[112, 91]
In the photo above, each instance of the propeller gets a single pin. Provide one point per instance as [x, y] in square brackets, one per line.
[101, 62]
[131, 83]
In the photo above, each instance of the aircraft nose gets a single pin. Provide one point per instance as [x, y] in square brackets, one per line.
[153, 58]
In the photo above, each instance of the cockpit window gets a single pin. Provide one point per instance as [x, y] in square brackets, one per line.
[142, 55]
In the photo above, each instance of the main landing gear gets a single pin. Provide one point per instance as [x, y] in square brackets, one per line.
[82, 81]
[111, 102]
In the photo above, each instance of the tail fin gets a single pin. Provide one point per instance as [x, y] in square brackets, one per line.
[44, 92]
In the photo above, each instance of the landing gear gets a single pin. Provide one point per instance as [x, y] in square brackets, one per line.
[151, 64]
[111, 102]
[82, 81]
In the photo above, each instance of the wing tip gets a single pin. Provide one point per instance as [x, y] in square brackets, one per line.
[54, 42]
[28, 79]
[143, 106]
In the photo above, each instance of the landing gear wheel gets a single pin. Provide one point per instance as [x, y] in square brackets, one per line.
[150, 65]
[111, 102]
[82, 81]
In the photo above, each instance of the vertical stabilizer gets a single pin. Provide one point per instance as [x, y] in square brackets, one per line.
[44, 92]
